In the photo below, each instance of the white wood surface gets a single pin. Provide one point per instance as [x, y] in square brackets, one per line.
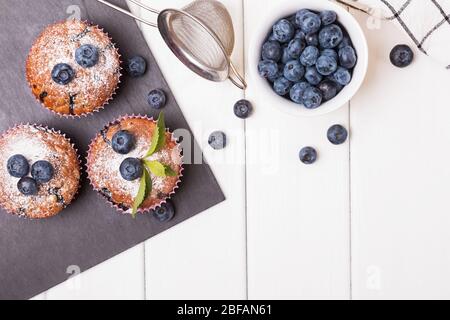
[368, 221]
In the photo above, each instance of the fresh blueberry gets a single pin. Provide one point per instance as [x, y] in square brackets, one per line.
[295, 48]
[296, 92]
[18, 166]
[345, 42]
[312, 76]
[329, 89]
[330, 53]
[271, 37]
[337, 134]
[272, 51]
[136, 66]
[326, 65]
[312, 39]
[299, 16]
[123, 142]
[63, 74]
[283, 31]
[342, 76]
[294, 71]
[243, 108]
[339, 86]
[308, 155]
[312, 98]
[165, 212]
[309, 56]
[267, 68]
[328, 17]
[27, 186]
[42, 171]
[330, 36]
[308, 22]
[285, 57]
[347, 57]
[278, 74]
[131, 169]
[282, 86]
[299, 34]
[87, 56]
[157, 99]
[401, 56]
[217, 140]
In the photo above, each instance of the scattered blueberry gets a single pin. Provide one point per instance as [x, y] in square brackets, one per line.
[328, 17]
[347, 57]
[217, 140]
[330, 53]
[308, 22]
[337, 134]
[401, 56]
[243, 108]
[42, 171]
[312, 98]
[329, 89]
[294, 71]
[157, 99]
[282, 86]
[308, 155]
[312, 39]
[283, 31]
[87, 56]
[123, 142]
[136, 66]
[27, 186]
[272, 51]
[18, 166]
[326, 65]
[63, 74]
[131, 169]
[267, 68]
[295, 48]
[309, 56]
[342, 76]
[165, 212]
[313, 76]
[296, 92]
[330, 36]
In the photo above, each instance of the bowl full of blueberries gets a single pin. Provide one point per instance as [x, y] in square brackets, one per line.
[311, 59]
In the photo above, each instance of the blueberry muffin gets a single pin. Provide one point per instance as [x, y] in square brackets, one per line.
[39, 170]
[73, 68]
[124, 153]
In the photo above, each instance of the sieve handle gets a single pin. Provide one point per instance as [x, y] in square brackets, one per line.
[113, 6]
[236, 78]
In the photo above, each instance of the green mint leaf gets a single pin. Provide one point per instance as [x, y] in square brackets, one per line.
[158, 137]
[145, 187]
[159, 169]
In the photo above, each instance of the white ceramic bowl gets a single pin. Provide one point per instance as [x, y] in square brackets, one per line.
[285, 8]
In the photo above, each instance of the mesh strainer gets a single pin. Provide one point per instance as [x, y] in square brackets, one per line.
[201, 35]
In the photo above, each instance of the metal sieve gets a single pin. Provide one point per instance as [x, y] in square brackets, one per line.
[201, 35]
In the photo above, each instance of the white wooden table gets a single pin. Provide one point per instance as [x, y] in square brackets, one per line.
[370, 219]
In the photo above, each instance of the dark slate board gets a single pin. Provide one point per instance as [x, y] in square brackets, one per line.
[35, 255]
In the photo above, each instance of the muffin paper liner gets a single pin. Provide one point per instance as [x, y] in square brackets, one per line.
[140, 210]
[111, 97]
[53, 131]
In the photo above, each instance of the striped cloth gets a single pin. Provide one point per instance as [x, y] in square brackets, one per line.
[426, 22]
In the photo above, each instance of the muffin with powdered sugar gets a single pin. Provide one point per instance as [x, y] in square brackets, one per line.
[73, 68]
[40, 171]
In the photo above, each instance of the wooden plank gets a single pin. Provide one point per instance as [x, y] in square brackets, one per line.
[400, 176]
[211, 246]
[298, 215]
